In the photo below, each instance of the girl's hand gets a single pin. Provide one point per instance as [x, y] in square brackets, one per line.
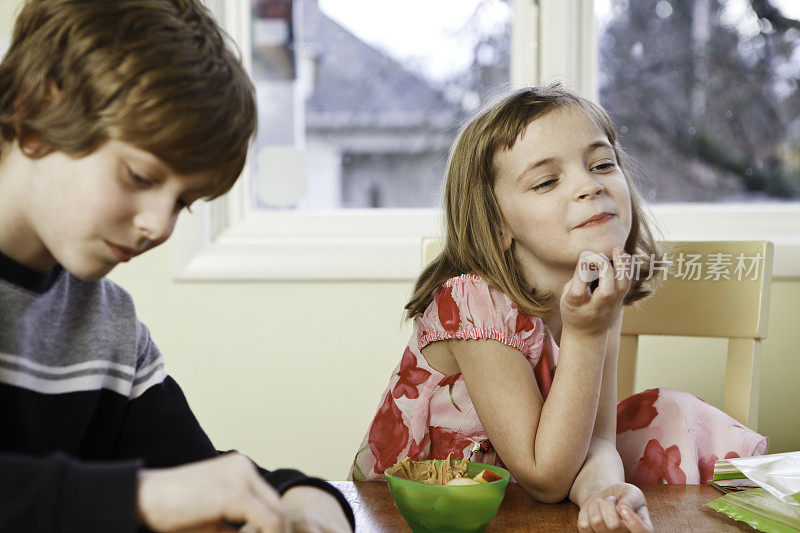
[594, 312]
[620, 507]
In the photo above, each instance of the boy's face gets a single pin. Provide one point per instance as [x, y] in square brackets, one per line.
[91, 213]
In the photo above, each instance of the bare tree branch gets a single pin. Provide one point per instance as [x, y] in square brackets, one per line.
[765, 10]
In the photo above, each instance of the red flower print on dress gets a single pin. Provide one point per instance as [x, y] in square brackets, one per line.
[524, 322]
[388, 435]
[637, 411]
[706, 467]
[449, 315]
[451, 380]
[658, 464]
[416, 450]
[444, 441]
[411, 377]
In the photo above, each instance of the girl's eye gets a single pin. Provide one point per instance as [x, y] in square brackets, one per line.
[604, 166]
[545, 184]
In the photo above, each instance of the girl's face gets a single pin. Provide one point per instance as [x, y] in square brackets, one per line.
[560, 173]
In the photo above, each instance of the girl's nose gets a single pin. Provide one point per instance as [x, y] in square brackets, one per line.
[588, 187]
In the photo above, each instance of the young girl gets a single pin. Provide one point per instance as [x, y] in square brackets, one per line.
[536, 197]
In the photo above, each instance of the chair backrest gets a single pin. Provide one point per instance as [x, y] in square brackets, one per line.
[713, 289]
[431, 247]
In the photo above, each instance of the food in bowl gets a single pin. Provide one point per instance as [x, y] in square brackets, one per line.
[447, 494]
[452, 472]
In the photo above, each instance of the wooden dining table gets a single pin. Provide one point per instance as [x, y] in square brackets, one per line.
[673, 508]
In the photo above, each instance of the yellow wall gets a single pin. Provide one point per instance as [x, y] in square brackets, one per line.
[291, 372]
[8, 9]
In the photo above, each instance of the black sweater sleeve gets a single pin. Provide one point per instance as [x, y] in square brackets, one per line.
[161, 429]
[58, 493]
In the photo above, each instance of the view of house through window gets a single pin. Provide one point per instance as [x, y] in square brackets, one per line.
[704, 95]
[359, 102]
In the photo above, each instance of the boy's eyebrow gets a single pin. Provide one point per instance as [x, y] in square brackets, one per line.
[152, 162]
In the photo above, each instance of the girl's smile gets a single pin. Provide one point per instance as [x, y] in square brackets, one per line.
[596, 220]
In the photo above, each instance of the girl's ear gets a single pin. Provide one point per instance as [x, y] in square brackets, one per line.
[505, 239]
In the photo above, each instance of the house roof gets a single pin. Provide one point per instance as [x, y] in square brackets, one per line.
[358, 86]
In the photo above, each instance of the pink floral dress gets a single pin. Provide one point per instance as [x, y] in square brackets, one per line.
[663, 435]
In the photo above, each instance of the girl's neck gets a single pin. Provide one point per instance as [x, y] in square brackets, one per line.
[553, 325]
[550, 280]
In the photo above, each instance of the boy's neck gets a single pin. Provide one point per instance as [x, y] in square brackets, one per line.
[15, 233]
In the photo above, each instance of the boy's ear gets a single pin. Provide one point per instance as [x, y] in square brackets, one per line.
[31, 143]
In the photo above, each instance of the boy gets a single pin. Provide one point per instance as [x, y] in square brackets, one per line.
[115, 116]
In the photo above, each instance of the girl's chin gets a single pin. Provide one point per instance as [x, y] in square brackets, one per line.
[607, 251]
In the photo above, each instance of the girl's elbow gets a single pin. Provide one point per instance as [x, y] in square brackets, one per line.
[547, 490]
[550, 496]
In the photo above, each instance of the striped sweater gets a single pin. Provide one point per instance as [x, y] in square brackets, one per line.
[84, 404]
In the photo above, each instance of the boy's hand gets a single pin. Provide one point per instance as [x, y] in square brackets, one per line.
[594, 312]
[312, 510]
[209, 496]
[620, 507]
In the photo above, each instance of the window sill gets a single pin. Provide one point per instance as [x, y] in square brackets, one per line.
[223, 243]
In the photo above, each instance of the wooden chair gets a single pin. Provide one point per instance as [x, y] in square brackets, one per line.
[711, 306]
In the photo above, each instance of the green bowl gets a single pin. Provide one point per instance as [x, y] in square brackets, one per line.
[427, 507]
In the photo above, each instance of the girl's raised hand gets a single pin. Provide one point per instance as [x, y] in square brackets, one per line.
[594, 312]
[618, 508]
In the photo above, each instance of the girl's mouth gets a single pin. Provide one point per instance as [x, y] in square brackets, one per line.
[596, 221]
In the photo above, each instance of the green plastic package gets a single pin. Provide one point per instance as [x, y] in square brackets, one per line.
[778, 473]
[759, 509]
[772, 507]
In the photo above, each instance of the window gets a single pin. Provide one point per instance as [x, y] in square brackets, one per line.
[321, 223]
[359, 111]
[705, 95]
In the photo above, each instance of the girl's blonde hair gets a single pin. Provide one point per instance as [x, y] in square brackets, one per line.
[473, 241]
[158, 74]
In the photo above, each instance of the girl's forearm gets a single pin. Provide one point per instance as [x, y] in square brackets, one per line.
[568, 416]
[602, 468]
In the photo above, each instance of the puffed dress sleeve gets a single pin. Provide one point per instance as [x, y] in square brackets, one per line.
[466, 307]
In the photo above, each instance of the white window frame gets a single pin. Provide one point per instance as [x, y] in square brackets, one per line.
[227, 239]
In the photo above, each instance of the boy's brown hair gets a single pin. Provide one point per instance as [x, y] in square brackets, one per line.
[473, 243]
[156, 74]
